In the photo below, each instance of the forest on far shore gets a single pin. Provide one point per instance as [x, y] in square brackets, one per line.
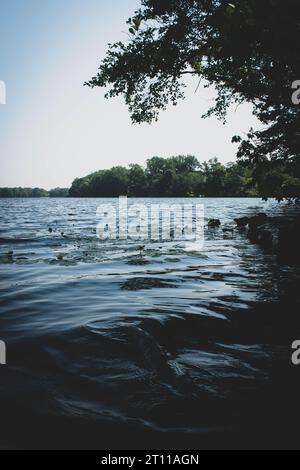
[33, 192]
[177, 176]
[184, 176]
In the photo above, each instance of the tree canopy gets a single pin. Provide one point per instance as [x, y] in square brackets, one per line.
[33, 192]
[179, 176]
[247, 49]
[58, 192]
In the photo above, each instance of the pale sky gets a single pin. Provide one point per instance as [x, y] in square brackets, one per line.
[52, 129]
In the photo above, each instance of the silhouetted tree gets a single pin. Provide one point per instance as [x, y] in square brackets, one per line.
[247, 49]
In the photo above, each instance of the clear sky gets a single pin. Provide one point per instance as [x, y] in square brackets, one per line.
[52, 129]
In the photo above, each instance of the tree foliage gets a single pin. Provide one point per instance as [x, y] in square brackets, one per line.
[247, 49]
[179, 176]
[33, 192]
[58, 192]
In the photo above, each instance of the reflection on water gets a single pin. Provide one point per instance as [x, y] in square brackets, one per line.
[108, 346]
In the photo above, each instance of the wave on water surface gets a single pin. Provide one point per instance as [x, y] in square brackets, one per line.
[111, 345]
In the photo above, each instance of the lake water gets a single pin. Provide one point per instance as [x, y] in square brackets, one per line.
[110, 347]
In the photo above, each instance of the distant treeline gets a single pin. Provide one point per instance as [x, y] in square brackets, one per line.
[180, 176]
[169, 177]
[33, 192]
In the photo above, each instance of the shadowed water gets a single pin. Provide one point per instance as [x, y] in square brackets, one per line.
[111, 346]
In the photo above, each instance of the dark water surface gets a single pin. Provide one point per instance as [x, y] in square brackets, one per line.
[173, 347]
